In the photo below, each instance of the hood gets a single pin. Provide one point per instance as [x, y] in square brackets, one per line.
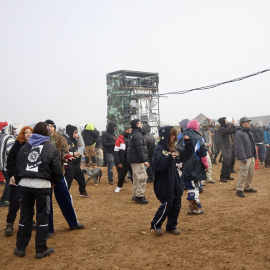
[183, 124]
[146, 129]
[111, 126]
[8, 130]
[193, 124]
[222, 121]
[70, 130]
[164, 134]
[37, 139]
[89, 127]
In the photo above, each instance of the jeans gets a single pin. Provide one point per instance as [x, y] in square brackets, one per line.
[110, 163]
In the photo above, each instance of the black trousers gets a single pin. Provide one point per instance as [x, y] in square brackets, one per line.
[233, 159]
[150, 172]
[170, 210]
[226, 163]
[14, 202]
[122, 172]
[75, 172]
[28, 200]
[267, 158]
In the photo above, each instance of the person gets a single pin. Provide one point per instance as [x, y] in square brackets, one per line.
[37, 169]
[266, 135]
[15, 191]
[72, 168]
[62, 195]
[108, 143]
[195, 168]
[168, 184]
[151, 144]
[7, 140]
[245, 150]
[90, 135]
[137, 156]
[258, 134]
[217, 145]
[225, 132]
[120, 157]
[207, 136]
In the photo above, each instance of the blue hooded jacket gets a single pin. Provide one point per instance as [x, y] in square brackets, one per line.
[168, 182]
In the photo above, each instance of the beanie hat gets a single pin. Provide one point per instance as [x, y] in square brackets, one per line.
[193, 124]
[127, 126]
[89, 127]
[50, 122]
[183, 124]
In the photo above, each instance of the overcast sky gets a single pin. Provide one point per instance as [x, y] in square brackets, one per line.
[54, 56]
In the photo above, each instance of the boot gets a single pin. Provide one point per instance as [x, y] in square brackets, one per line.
[193, 208]
[140, 200]
[9, 229]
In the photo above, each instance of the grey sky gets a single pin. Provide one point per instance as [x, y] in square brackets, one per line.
[54, 56]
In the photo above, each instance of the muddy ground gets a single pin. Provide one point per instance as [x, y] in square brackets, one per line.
[233, 232]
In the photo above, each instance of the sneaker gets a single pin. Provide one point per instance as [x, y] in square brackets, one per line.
[195, 211]
[117, 189]
[175, 232]
[85, 195]
[79, 226]
[210, 181]
[229, 178]
[45, 253]
[158, 232]
[4, 203]
[251, 190]
[9, 229]
[240, 193]
[19, 252]
[223, 180]
[140, 200]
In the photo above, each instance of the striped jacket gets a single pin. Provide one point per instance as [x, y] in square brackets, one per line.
[6, 142]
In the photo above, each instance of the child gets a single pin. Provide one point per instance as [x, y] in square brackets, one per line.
[168, 183]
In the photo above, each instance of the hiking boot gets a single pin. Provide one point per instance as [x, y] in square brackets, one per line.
[223, 180]
[117, 189]
[9, 229]
[45, 253]
[158, 232]
[19, 252]
[240, 193]
[140, 200]
[210, 181]
[233, 171]
[85, 195]
[4, 203]
[175, 232]
[251, 190]
[229, 178]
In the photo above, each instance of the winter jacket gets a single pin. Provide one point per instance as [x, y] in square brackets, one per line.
[11, 159]
[137, 149]
[120, 149]
[244, 144]
[168, 172]
[40, 160]
[150, 141]
[194, 168]
[258, 134]
[225, 138]
[90, 135]
[7, 140]
[108, 138]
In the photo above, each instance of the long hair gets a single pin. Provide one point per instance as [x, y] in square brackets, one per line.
[21, 138]
[173, 132]
[41, 128]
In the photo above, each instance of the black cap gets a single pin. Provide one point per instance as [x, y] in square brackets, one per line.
[244, 119]
[50, 122]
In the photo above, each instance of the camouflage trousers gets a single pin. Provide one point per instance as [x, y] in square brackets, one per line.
[139, 179]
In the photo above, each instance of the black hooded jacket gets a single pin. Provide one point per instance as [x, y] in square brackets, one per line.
[137, 149]
[225, 132]
[150, 141]
[193, 168]
[168, 182]
[108, 138]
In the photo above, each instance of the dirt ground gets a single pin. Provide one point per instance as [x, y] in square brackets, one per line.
[233, 232]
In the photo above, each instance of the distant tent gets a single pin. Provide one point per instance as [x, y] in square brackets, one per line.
[200, 118]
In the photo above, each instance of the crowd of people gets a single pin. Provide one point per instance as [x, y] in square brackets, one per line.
[37, 162]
